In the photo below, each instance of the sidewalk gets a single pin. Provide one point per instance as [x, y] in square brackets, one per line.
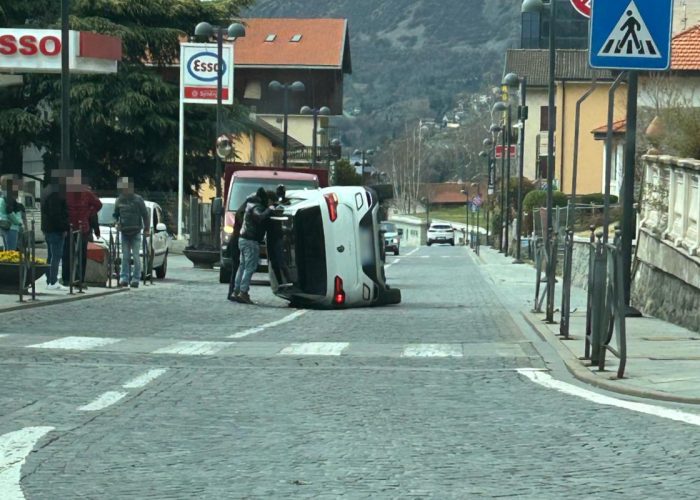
[10, 302]
[663, 360]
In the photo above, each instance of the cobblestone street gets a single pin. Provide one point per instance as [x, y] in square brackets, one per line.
[171, 391]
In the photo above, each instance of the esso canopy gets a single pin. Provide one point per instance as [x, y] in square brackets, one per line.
[39, 51]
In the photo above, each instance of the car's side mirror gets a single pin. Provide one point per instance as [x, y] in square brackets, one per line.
[400, 231]
[217, 206]
[160, 227]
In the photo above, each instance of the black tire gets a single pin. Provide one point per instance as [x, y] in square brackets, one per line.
[396, 252]
[452, 242]
[430, 243]
[225, 274]
[162, 270]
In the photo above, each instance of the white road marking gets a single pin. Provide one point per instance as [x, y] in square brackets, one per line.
[77, 343]
[144, 379]
[14, 448]
[387, 266]
[433, 351]
[315, 349]
[194, 348]
[103, 401]
[258, 329]
[3, 335]
[546, 380]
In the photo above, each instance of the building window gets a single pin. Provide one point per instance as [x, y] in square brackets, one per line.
[544, 118]
[295, 38]
[271, 37]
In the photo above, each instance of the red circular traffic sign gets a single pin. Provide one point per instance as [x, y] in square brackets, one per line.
[583, 7]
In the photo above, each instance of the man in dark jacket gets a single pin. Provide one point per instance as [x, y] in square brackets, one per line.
[252, 233]
[132, 218]
[275, 239]
[55, 225]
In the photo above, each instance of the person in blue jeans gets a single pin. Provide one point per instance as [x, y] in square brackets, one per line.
[252, 233]
[55, 225]
[11, 212]
[132, 218]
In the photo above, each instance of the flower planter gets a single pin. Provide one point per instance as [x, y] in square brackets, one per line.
[202, 259]
[9, 276]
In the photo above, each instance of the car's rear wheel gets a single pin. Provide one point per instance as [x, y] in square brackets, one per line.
[430, 242]
[162, 270]
[396, 252]
[452, 242]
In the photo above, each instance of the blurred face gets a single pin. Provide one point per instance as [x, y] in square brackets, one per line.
[125, 185]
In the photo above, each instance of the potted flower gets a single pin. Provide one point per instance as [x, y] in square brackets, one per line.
[10, 268]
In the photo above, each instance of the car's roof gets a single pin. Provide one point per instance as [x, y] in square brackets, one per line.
[149, 204]
[275, 174]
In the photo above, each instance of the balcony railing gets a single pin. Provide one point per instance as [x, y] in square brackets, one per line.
[324, 154]
[671, 203]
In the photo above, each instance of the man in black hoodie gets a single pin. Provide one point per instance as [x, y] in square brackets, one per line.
[55, 225]
[255, 218]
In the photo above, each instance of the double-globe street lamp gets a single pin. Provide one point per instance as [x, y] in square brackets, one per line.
[537, 7]
[206, 30]
[285, 88]
[496, 129]
[491, 174]
[505, 107]
[316, 112]
[363, 154]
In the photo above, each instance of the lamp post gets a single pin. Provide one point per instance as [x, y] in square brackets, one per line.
[465, 192]
[537, 6]
[316, 112]
[363, 153]
[285, 88]
[512, 80]
[491, 174]
[65, 86]
[206, 30]
[502, 107]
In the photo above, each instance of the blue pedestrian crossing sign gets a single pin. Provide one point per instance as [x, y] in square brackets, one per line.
[631, 34]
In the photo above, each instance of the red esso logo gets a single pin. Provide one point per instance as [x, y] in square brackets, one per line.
[29, 45]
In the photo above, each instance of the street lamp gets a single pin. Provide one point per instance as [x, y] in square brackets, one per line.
[502, 107]
[465, 192]
[362, 153]
[65, 86]
[512, 80]
[322, 111]
[537, 6]
[206, 30]
[285, 88]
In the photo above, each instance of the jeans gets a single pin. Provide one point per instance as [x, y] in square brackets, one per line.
[65, 268]
[10, 236]
[131, 246]
[235, 262]
[54, 242]
[250, 254]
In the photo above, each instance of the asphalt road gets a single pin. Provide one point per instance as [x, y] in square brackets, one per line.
[171, 391]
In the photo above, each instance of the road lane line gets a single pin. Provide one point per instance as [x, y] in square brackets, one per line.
[433, 351]
[144, 379]
[194, 348]
[258, 329]
[76, 343]
[387, 266]
[103, 401]
[14, 448]
[315, 349]
[546, 380]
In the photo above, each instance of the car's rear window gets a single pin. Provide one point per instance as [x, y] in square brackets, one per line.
[441, 227]
[387, 227]
[242, 188]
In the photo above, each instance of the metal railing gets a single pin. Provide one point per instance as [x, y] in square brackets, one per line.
[75, 245]
[26, 246]
[605, 315]
[148, 257]
[544, 263]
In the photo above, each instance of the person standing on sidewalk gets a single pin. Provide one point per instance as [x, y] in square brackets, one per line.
[235, 250]
[252, 233]
[55, 224]
[82, 205]
[131, 216]
[12, 216]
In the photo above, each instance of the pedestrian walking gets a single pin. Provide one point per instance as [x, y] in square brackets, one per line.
[131, 216]
[12, 213]
[55, 224]
[256, 214]
[82, 205]
[235, 251]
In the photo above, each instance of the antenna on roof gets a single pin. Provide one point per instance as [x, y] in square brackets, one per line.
[684, 19]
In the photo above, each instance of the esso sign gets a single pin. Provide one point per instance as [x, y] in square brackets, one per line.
[204, 67]
[30, 45]
[583, 7]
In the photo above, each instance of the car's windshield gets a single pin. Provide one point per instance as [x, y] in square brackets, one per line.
[106, 214]
[242, 188]
[387, 227]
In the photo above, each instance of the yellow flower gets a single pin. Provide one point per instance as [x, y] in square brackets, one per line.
[12, 257]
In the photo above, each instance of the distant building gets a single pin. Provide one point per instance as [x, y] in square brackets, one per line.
[571, 29]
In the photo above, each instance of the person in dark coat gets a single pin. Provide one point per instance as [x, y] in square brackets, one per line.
[234, 250]
[55, 225]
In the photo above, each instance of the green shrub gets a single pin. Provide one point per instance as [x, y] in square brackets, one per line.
[595, 198]
[538, 199]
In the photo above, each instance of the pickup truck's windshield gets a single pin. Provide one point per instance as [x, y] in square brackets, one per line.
[242, 188]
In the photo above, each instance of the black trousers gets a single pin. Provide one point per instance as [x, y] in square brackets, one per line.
[65, 266]
[235, 253]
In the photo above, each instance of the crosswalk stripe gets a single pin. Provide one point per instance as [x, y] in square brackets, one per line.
[194, 348]
[315, 349]
[144, 379]
[103, 401]
[76, 343]
[433, 351]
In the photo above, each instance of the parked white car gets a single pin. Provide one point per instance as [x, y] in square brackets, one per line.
[332, 250]
[441, 233]
[161, 238]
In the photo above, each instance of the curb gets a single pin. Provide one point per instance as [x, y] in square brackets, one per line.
[32, 305]
[582, 373]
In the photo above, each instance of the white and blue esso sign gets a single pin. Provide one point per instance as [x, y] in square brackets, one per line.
[198, 73]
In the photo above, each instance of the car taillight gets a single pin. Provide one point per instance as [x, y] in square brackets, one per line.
[229, 222]
[338, 292]
[332, 202]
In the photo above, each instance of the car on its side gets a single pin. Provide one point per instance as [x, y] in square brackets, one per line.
[333, 256]
[441, 233]
[390, 235]
[161, 238]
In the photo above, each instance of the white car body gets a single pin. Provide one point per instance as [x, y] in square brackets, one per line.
[161, 238]
[333, 250]
[441, 233]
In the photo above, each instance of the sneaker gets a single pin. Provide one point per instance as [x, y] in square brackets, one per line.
[134, 284]
[54, 287]
[244, 298]
[61, 288]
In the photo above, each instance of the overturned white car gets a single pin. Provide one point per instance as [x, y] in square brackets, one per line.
[327, 251]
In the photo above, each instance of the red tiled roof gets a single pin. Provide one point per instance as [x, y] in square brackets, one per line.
[686, 50]
[447, 193]
[323, 43]
[619, 127]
